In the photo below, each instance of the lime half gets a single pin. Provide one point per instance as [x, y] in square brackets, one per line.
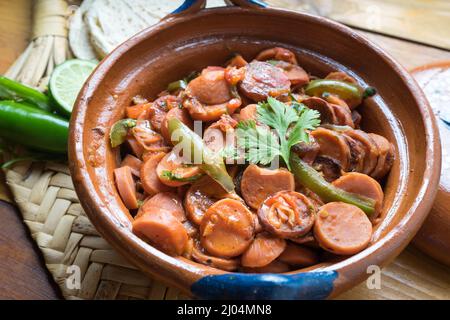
[66, 82]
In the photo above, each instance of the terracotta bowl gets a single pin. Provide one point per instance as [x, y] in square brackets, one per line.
[146, 63]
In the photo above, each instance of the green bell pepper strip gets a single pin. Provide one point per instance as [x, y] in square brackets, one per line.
[32, 127]
[12, 90]
[119, 131]
[311, 179]
[177, 85]
[211, 163]
[350, 93]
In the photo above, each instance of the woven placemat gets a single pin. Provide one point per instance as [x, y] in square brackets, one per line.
[50, 208]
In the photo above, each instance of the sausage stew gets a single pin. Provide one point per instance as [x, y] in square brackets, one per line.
[279, 177]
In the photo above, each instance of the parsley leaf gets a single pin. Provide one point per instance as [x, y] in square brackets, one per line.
[290, 123]
[258, 144]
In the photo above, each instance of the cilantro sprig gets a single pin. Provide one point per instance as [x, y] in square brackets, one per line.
[290, 124]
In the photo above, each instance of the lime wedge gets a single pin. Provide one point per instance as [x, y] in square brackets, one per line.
[66, 82]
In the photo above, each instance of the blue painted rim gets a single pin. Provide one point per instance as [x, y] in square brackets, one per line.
[314, 285]
[185, 6]
[258, 3]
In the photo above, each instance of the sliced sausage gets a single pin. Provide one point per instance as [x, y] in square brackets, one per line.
[155, 115]
[307, 151]
[210, 96]
[370, 149]
[356, 117]
[135, 147]
[343, 116]
[307, 240]
[163, 230]
[263, 80]
[299, 256]
[237, 61]
[296, 74]
[227, 228]
[287, 214]
[332, 145]
[342, 228]
[167, 201]
[133, 112]
[357, 154]
[126, 187]
[277, 53]
[264, 249]
[149, 178]
[326, 111]
[149, 139]
[220, 135]
[215, 262]
[330, 168]
[249, 112]
[210, 87]
[173, 172]
[178, 113]
[202, 195]
[274, 267]
[363, 185]
[385, 158]
[259, 183]
[341, 76]
[134, 164]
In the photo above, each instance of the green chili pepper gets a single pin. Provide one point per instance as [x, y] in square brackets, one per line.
[211, 163]
[311, 179]
[119, 131]
[32, 127]
[177, 85]
[12, 90]
[174, 177]
[350, 93]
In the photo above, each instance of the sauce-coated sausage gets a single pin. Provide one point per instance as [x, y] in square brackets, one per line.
[263, 80]
[299, 256]
[264, 249]
[227, 228]
[163, 230]
[287, 214]
[259, 183]
[342, 228]
[149, 178]
[126, 186]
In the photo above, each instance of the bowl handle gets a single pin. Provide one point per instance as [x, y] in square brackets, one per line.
[248, 3]
[312, 285]
[193, 6]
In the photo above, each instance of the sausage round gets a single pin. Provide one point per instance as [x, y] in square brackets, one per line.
[163, 230]
[332, 145]
[215, 262]
[259, 183]
[326, 111]
[181, 114]
[200, 196]
[362, 184]
[342, 228]
[299, 256]
[173, 172]
[263, 80]
[287, 214]
[277, 53]
[370, 149]
[385, 158]
[264, 249]
[126, 186]
[167, 201]
[149, 177]
[227, 228]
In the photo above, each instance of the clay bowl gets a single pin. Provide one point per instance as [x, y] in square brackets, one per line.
[146, 63]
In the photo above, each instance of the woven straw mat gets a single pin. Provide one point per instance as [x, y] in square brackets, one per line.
[49, 205]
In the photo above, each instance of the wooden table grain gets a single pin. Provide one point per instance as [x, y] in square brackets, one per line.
[23, 274]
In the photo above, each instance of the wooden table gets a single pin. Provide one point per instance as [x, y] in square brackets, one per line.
[24, 276]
